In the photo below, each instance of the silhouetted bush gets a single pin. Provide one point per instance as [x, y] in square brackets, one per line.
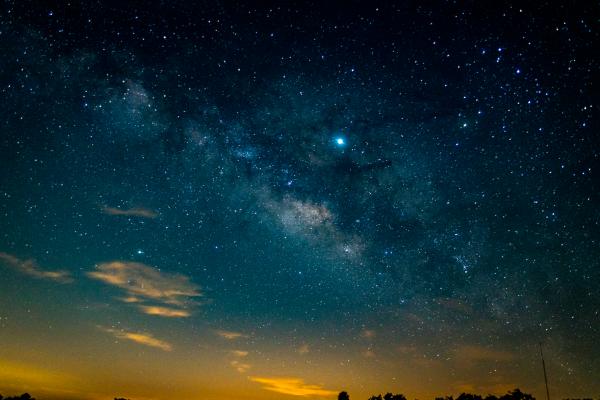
[517, 395]
[512, 395]
[585, 398]
[388, 396]
[24, 396]
[343, 396]
[469, 396]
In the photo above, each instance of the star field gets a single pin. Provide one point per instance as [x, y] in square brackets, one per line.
[231, 201]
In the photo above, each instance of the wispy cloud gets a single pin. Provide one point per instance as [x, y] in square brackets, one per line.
[368, 333]
[31, 268]
[498, 388]
[229, 335]
[145, 339]
[240, 366]
[237, 363]
[165, 311]
[476, 353]
[31, 375]
[130, 212]
[304, 349]
[144, 283]
[130, 299]
[292, 386]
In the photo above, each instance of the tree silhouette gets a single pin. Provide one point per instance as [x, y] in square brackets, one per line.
[389, 396]
[469, 396]
[24, 396]
[516, 395]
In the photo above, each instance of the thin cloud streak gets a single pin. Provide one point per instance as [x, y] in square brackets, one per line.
[130, 299]
[130, 212]
[229, 335]
[304, 349]
[368, 333]
[165, 311]
[145, 339]
[292, 386]
[31, 268]
[475, 353]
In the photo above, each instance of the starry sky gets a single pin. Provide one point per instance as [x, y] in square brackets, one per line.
[222, 200]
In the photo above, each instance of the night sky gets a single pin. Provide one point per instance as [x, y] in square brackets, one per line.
[229, 201]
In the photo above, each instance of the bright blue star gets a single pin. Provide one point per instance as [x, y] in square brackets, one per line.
[340, 141]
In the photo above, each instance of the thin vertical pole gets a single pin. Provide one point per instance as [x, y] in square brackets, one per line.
[545, 376]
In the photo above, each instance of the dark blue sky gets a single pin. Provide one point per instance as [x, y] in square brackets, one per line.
[355, 195]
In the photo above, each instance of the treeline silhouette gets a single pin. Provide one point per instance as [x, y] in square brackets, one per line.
[24, 396]
[512, 395]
